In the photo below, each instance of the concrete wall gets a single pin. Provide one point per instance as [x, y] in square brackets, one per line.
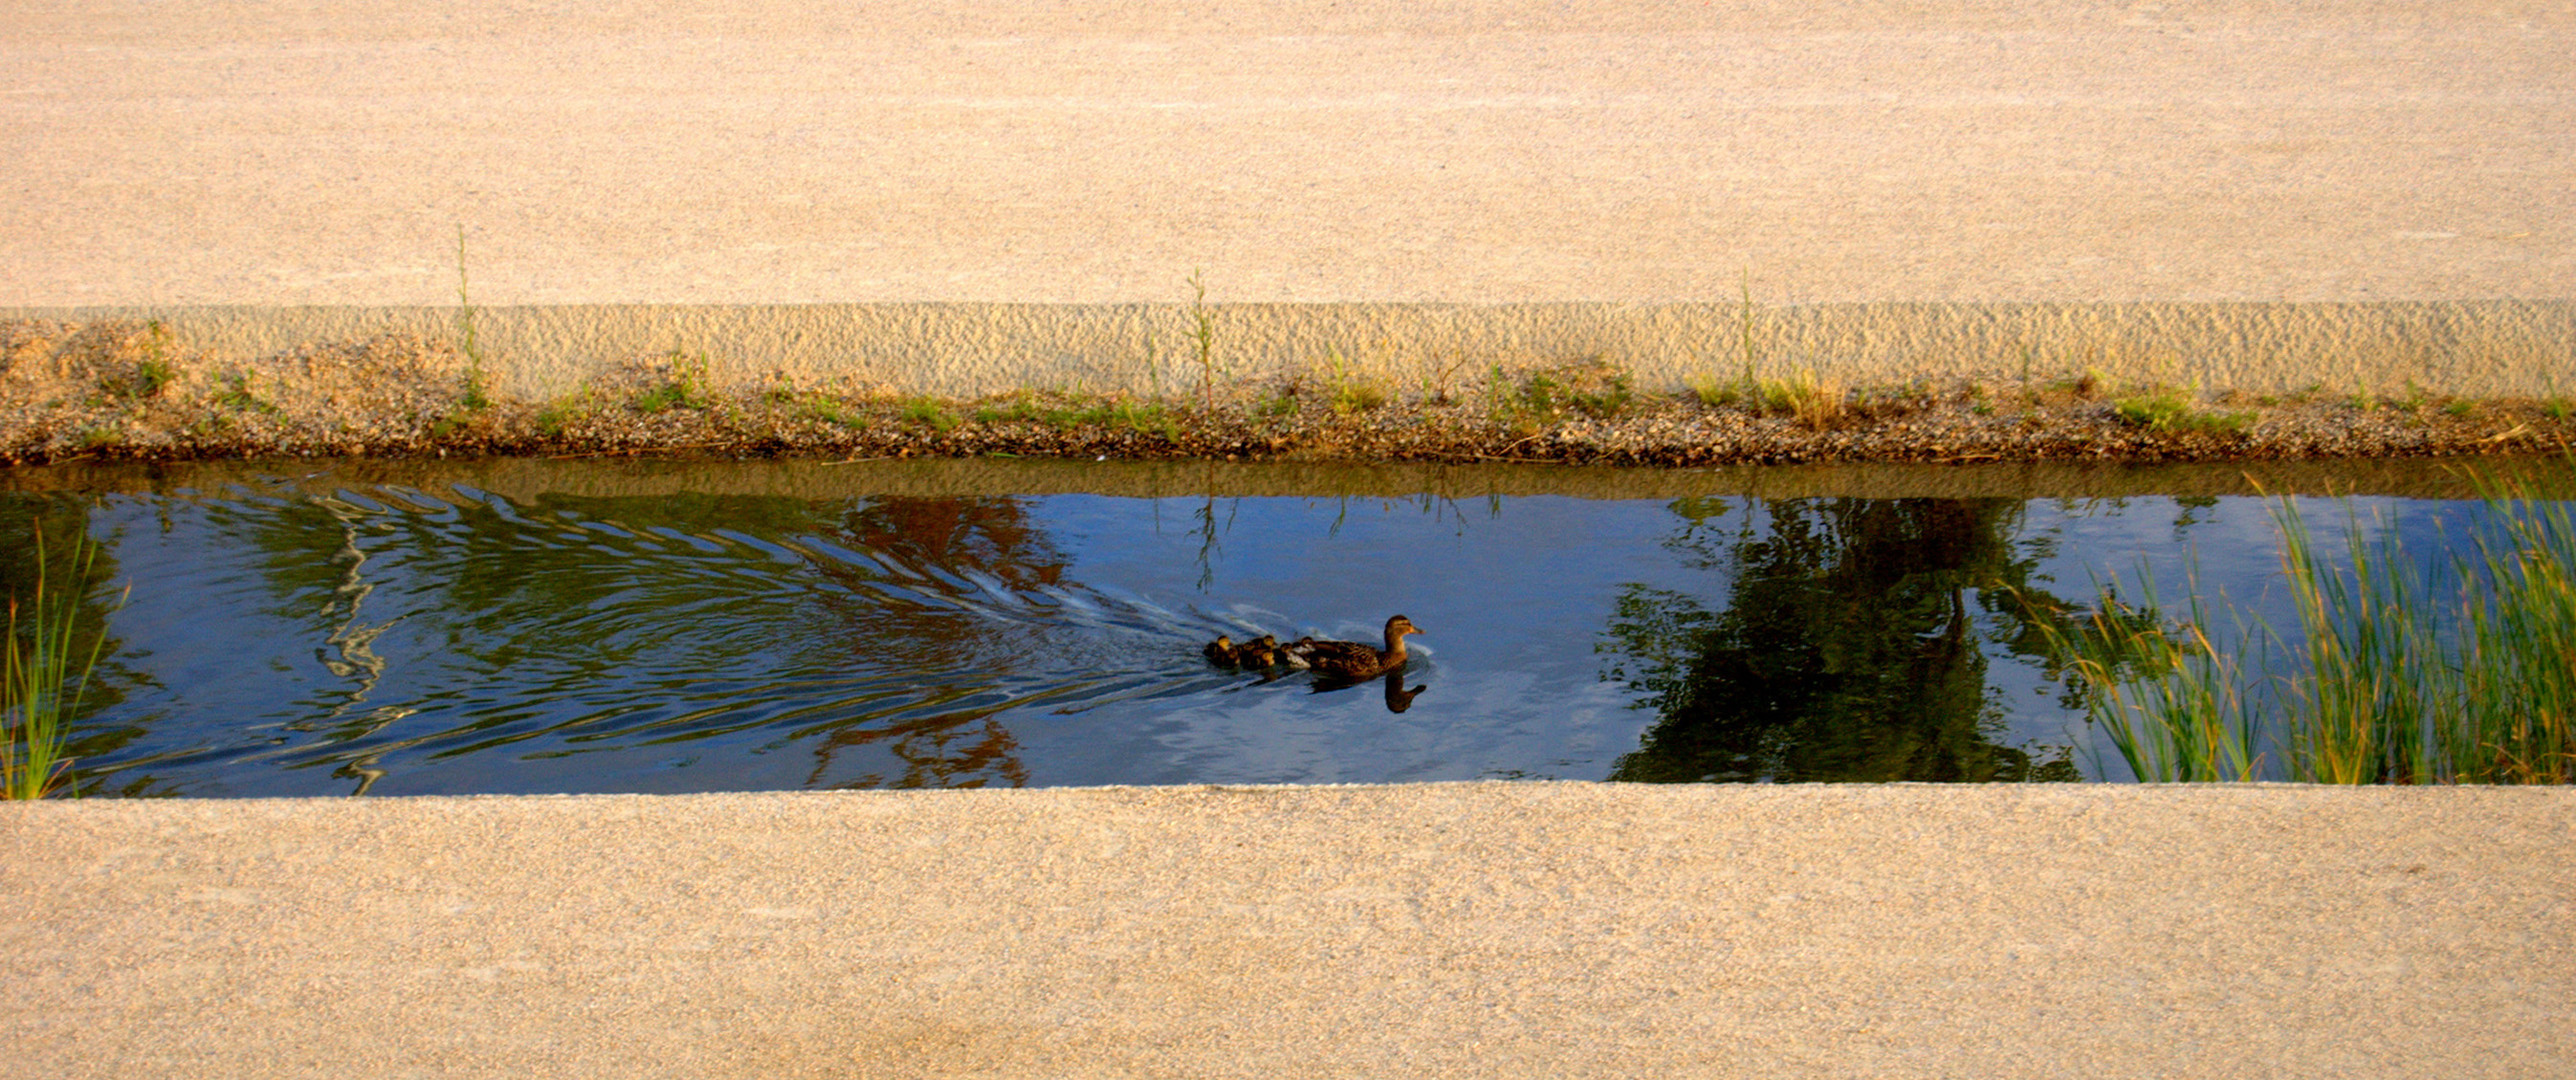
[959, 199]
[2470, 347]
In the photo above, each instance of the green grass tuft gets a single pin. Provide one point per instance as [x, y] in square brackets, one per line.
[929, 413]
[1719, 393]
[832, 410]
[1605, 401]
[476, 398]
[147, 381]
[688, 387]
[1150, 417]
[2172, 409]
[40, 685]
[1592, 388]
[1813, 400]
[2093, 383]
[151, 375]
[1203, 335]
[235, 393]
[1346, 390]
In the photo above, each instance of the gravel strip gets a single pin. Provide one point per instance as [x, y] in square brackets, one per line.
[112, 391]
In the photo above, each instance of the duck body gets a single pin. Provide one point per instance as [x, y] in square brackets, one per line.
[1352, 659]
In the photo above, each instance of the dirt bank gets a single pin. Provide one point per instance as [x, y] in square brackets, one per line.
[115, 390]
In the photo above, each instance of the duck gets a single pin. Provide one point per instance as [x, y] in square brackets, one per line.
[1223, 652]
[1352, 659]
[1260, 654]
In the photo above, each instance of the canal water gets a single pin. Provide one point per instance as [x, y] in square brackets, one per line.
[334, 628]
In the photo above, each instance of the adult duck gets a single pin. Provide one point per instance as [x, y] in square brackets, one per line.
[1352, 659]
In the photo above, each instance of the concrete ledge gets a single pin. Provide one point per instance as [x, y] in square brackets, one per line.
[1484, 151]
[1460, 929]
[2482, 348]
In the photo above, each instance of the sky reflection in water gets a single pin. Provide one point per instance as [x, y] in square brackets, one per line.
[397, 640]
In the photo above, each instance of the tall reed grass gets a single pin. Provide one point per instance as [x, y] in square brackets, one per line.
[2166, 695]
[2453, 671]
[2517, 690]
[40, 687]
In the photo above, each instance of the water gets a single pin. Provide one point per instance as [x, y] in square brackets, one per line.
[352, 627]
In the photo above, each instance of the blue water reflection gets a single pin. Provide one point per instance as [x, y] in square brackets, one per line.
[402, 639]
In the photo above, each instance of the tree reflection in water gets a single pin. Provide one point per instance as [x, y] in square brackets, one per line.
[1849, 649]
[642, 622]
[951, 750]
[308, 639]
[940, 550]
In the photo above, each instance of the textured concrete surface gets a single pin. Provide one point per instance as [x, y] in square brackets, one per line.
[992, 193]
[2487, 348]
[982, 195]
[1539, 930]
[752, 152]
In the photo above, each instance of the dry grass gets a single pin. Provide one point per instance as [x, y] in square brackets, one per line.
[1816, 403]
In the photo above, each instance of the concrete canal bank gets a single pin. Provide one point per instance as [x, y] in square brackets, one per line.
[1539, 930]
[2354, 196]
[2478, 348]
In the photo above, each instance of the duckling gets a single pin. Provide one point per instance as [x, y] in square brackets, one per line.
[1223, 652]
[1353, 660]
[1258, 654]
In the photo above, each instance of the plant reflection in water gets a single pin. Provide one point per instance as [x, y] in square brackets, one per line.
[1849, 649]
[306, 636]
